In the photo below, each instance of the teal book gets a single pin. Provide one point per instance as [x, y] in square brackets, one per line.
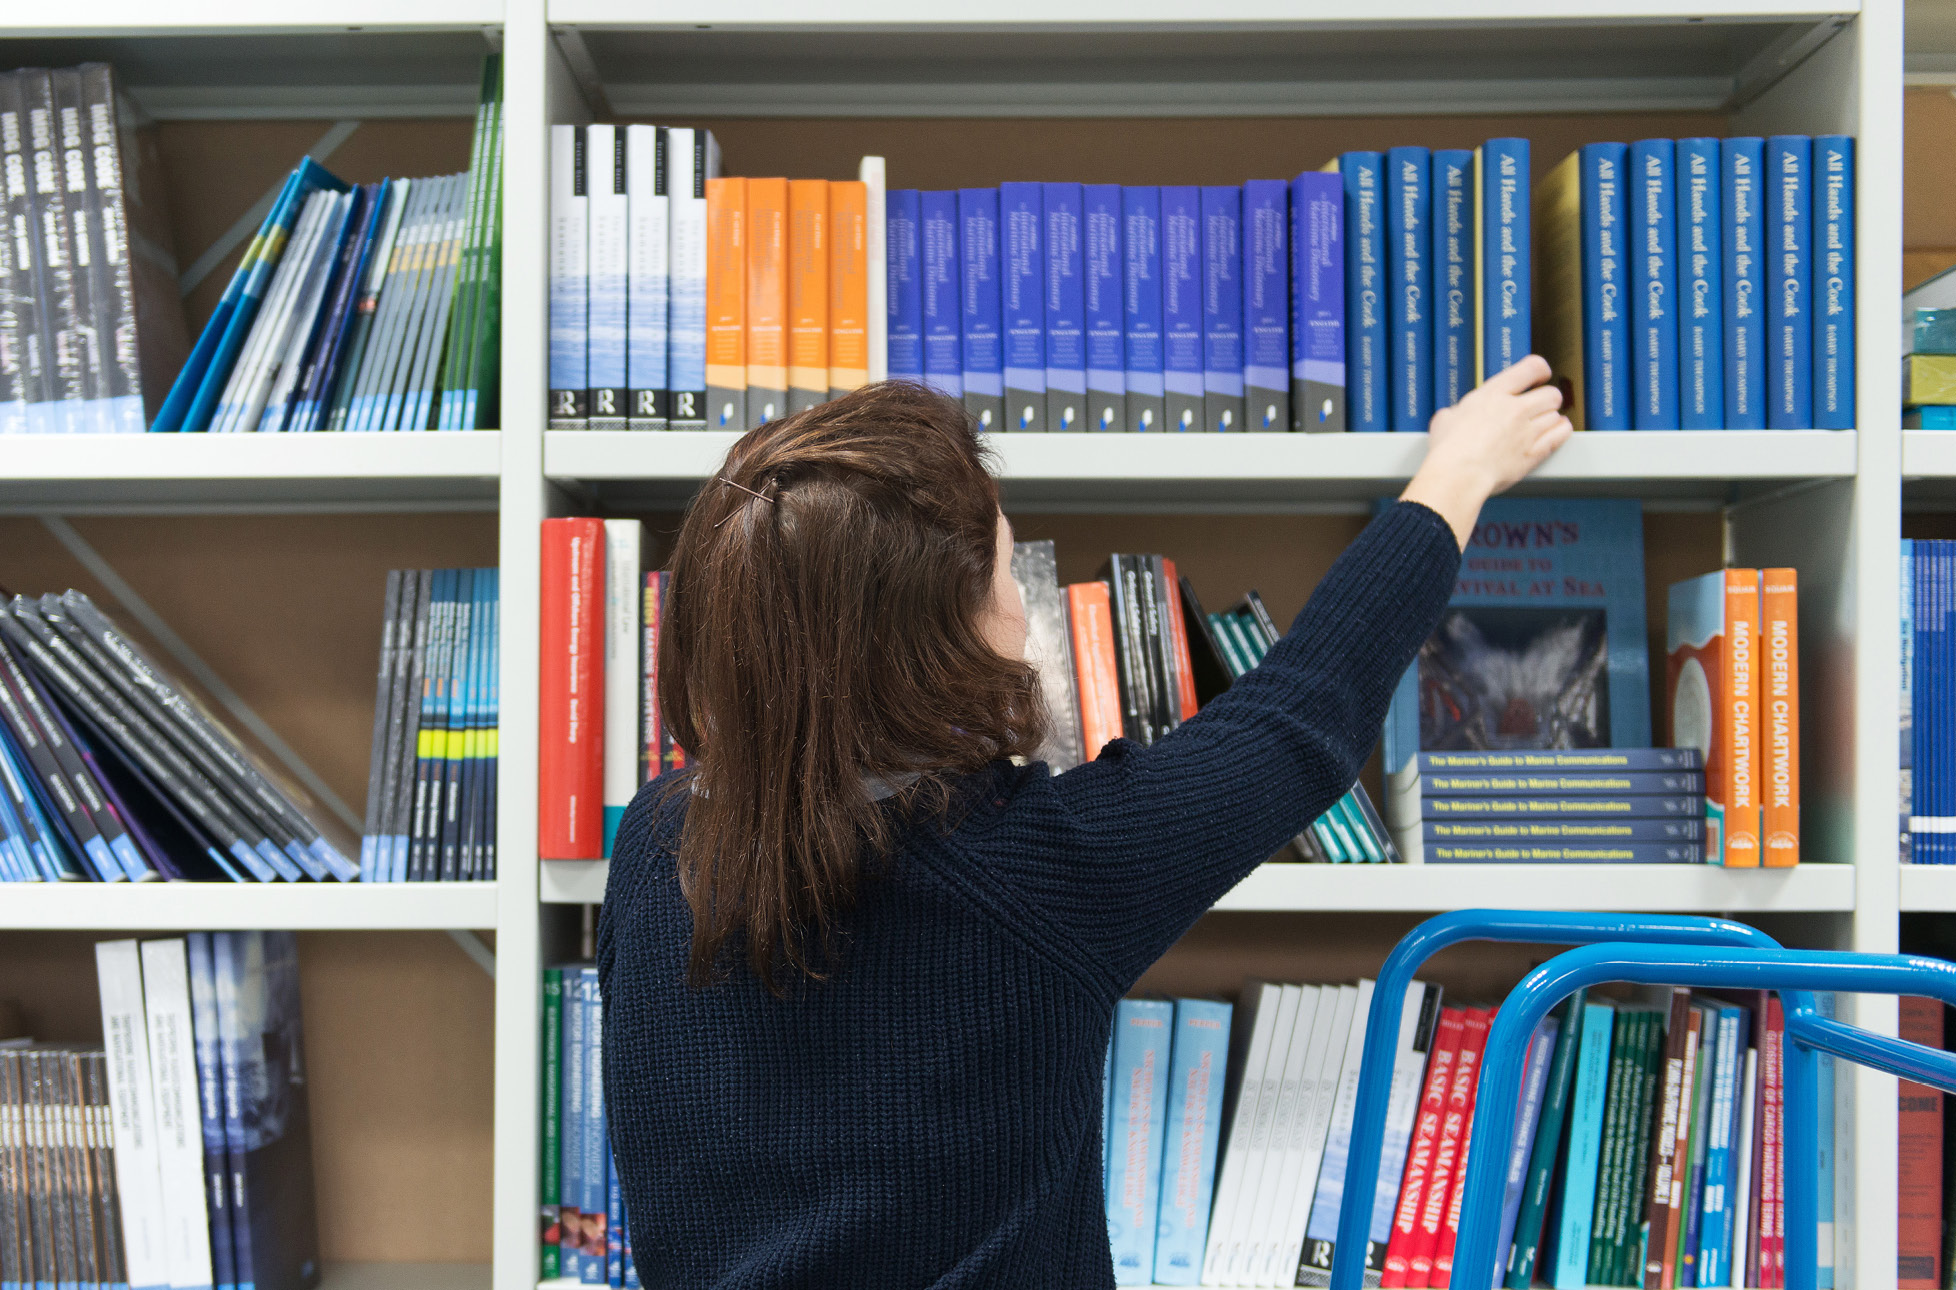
[1196, 1072]
[1571, 1270]
[1142, 1036]
[1529, 1221]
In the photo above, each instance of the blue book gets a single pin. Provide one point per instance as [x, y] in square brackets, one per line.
[1266, 305]
[1066, 311]
[1317, 302]
[592, 1176]
[1197, 1071]
[1454, 306]
[1833, 303]
[204, 1031]
[1100, 290]
[1931, 417]
[1653, 285]
[1571, 1270]
[1605, 270]
[982, 345]
[903, 219]
[1715, 1219]
[1742, 162]
[941, 293]
[1555, 832]
[1507, 317]
[1222, 307]
[1022, 300]
[1560, 760]
[1907, 717]
[1143, 1029]
[1141, 307]
[1181, 307]
[1534, 1091]
[1409, 293]
[1789, 282]
[614, 1225]
[1365, 292]
[1586, 560]
[1701, 294]
[570, 1206]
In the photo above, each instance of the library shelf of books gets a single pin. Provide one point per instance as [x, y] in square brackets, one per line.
[267, 555]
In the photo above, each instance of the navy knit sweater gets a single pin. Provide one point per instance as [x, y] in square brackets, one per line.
[931, 1116]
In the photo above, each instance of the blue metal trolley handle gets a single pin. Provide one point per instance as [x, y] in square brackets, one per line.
[1791, 972]
[1526, 926]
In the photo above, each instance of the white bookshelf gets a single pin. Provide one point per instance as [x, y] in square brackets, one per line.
[1828, 503]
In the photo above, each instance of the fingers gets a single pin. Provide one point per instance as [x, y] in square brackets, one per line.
[1543, 398]
[1525, 375]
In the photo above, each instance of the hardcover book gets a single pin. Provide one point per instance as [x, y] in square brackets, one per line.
[982, 343]
[1101, 289]
[905, 275]
[1181, 308]
[849, 287]
[1222, 307]
[1712, 691]
[1022, 301]
[1654, 289]
[1367, 401]
[1701, 305]
[941, 295]
[1266, 305]
[1143, 1031]
[1067, 409]
[1049, 650]
[1743, 163]
[1833, 305]
[649, 293]
[1317, 302]
[1141, 268]
[1789, 282]
[569, 246]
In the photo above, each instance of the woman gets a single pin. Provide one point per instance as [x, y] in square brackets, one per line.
[859, 965]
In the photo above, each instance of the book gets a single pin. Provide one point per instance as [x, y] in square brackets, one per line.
[1779, 717]
[1253, 1034]
[904, 273]
[1368, 401]
[724, 300]
[1049, 650]
[1196, 1075]
[179, 1117]
[982, 343]
[1221, 235]
[1418, 1032]
[1563, 853]
[595, 1210]
[810, 251]
[648, 273]
[1712, 679]
[624, 594]
[1714, 1262]
[1410, 291]
[692, 159]
[210, 1107]
[1417, 1169]
[1700, 306]
[1102, 279]
[1068, 408]
[1789, 282]
[1450, 1154]
[1672, 1126]
[138, 1158]
[1022, 302]
[1266, 231]
[1742, 163]
[1690, 1219]
[1534, 1092]
[1442, 783]
[1248, 1236]
[849, 231]
[576, 1084]
[1455, 306]
[1654, 305]
[1091, 621]
[1585, 1144]
[941, 259]
[1833, 280]
[571, 711]
[608, 263]
[1321, 1229]
[1181, 308]
[1905, 708]
[1141, 312]
[1506, 254]
[1551, 831]
[765, 233]
[1919, 1150]
[1317, 298]
[550, 1166]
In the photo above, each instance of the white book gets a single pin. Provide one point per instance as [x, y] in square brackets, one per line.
[245, 367]
[1321, 1228]
[648, 290]
[624, 597]
[179, 1117]
[1264, 1225]
[606, 266]
[1419, 1016]
[873, 174]
[569, 245]
[692, 158]
[1254, 1026]
[305, 313]
[1330, 1065]
[1295, 1147]
[1235, 1265]
[1742, 1164]
[132, 1110]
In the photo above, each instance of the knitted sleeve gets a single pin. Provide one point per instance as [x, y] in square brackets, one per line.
[1124, 853]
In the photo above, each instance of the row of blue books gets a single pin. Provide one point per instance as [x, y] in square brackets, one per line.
[585, 1236]
[1360, 297]
[1702, 284]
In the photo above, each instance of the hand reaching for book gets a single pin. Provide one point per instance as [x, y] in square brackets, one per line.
[1488, 441]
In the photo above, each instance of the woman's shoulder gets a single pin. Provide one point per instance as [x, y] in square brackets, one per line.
[648, 835]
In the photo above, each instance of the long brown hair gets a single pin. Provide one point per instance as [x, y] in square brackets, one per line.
[821, 650]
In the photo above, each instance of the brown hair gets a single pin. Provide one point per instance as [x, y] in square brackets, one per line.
[821, 642]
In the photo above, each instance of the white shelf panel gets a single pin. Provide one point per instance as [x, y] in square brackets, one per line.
[1929, 454]
[1119, 14]
[1246, 471]
[220, 905]
[1929, 888]
[227, 17]
[1423, 888]
[193, 471]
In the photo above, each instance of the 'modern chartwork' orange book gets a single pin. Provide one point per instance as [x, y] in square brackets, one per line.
[1779, 703]
[767, 300]
[808, 293]
[848, 287]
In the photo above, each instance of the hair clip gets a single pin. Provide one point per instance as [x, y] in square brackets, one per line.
[745, 489]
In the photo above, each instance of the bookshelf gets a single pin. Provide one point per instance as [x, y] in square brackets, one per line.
[1137, 91]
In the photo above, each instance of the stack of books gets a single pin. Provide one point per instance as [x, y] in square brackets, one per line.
[1929, 354]
[360, 308]
[91, 326]
[585, 1236]
[1928, 719]
[431, 776]
[184, 1156]
[1701, 284]
[111, 771]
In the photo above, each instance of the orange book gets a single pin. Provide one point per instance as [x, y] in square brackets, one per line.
[808, 293]
[1090, 614]
[1779, 701]
[848, 287]
[726, 304]
[1178, 638]
[1712, 687]
[767, 300]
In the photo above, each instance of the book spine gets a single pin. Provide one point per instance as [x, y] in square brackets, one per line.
[725, 296]
[942, 292]
[873, 174]
[614, 1214]
[1181, 308]
[61, 285]
[1564, 853]
[1743, 163]
[690, 158]
[1664, 1135]
[1451, 264]
[1585, 760]
[125, 1041]
[1605, 284]
[810, 239]
[592, 1252]
[1654, 293]
[1450, 1153]
[118, 309]
[1507, 326]
[624, 566]
[1418, 1034]
[649, 289]
[94, 285]
[1833, 280]
[1409, 291]
[1919, 1148]
[23, 378]
[765, 230]
[1789, 282]
[551, 1166]
[1611, 783]
[1701, 322]
[1631, 808]
[1266, 227]
[981, 345]
[1905, 716]
[1143, 1032]
[1692, 1219]
[571, 713]
[1773, 1140]
[1585, 1146]
[607, 267]
[1187, 702]
[903, 246]
[1022, 303]
[1317, 296]
[1715, 1221]
[1739, 844]
[570, 1208]
[1222, 307]
[1101, 268]
[1534, 1091]
[1091, 618]
[1417, 1174]
[1779, 711]
[1141, 308]
[179, 1120]
[849, 279]
[1252, 1030]
[1368, 403]
[1524, 1255]
[1192, 1136]
[1067, 408]
[1659, 830]
[651, 725]
[569, 285]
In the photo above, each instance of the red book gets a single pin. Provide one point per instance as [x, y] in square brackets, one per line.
[1090, 612]
[570, 705]
[1918, 1152]
[1446, 1157]
[1450, 1233]
[1772, 1151]
[1419, 1156]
